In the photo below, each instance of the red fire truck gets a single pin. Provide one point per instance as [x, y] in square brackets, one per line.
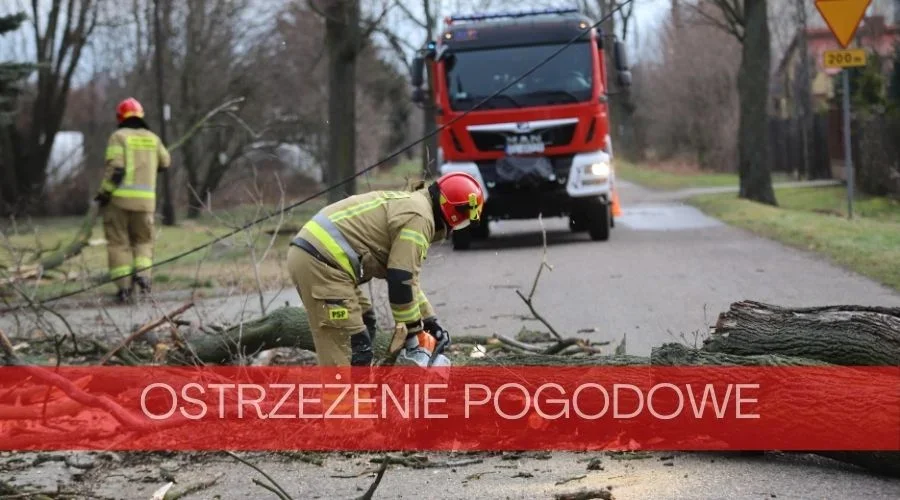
[542, 146]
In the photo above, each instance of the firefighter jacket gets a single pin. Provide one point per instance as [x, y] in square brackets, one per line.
[385, 235]
[133, 158]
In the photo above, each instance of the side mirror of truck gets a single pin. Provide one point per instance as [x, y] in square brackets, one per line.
[621, 56]
[624, 78]
[418, 67]
[418, 95]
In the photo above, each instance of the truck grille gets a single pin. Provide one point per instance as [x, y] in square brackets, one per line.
[496, 141]
[561, 166]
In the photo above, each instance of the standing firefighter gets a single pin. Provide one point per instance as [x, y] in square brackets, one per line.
[134, 155]
[381, 234]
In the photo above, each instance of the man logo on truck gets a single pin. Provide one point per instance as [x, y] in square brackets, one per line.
[537, 147]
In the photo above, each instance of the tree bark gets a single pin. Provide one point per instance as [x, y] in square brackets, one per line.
[753, 94]
[342, 40]
[840, 335]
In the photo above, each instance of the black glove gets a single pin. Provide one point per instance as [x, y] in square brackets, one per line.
[103, 198]
[433, 328]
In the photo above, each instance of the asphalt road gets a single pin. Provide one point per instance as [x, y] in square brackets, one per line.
[667, 270]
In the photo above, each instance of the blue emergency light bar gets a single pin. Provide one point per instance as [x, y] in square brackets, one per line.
[501, 15]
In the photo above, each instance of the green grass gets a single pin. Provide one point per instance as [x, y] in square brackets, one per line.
[665, 179]
[815, 219]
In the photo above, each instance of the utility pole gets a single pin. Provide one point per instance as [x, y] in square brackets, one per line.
[804, 87]
[168, 210]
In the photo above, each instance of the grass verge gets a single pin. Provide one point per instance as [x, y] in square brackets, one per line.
[671, 177]
[815, 219]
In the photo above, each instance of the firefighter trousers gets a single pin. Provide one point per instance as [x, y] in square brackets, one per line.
[129, 243]
[340, 315]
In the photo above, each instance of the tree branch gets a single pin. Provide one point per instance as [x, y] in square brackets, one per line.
[732, 25]
[375, 23]
[528, 300]
[412, 17]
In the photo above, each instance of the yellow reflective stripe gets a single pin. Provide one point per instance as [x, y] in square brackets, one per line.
[382, 198]
[107, 185]
[135, 193]
[332, 246]
[118, 272]
[139, 143]
[143, 262]
[415, 237]
[357, 210]
[422, 299]
[405, 315]
[129, 167]
[114, 152]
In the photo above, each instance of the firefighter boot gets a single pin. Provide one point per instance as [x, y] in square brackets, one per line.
[142, 283]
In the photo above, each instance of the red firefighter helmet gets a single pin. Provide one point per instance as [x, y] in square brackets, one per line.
[461, 199]
[129, 108]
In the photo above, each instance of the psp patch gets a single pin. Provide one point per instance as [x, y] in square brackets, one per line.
[338, 313]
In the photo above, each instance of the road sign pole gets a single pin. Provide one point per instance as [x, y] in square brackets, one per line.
[848, 153]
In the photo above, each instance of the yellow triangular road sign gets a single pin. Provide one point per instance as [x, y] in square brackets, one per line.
[843, 17]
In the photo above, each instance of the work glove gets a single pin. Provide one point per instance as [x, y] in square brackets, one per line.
[436, 331]
[102, 198]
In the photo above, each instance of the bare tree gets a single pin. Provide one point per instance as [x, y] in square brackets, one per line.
[346, 34]
[60, 32]
[689, 106]
[622, 106]
[748, 22]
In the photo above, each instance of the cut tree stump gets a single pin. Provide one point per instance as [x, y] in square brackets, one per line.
[840, 335]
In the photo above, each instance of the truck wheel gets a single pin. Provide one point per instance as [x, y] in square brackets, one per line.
[578, 223]
[462, 239]
[599, 222]
[481, 231]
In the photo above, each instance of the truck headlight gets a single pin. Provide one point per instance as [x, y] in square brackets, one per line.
[599, 169]
[595, 173]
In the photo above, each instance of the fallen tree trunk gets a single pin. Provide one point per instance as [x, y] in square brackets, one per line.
[284, 327]
[74, 248]
[840, 335]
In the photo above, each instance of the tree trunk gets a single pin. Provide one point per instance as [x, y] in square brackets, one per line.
[429, 109]
[840, 335]
[753, 94]
[342, 34]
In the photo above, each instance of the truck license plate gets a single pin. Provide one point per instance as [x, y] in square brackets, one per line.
[524, 144]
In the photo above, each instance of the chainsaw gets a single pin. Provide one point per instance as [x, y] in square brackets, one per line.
[421, 350]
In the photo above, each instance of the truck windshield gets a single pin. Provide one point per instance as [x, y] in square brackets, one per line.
[567, 78]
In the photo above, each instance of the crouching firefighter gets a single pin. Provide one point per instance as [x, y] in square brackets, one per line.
[127, 194]
[385, 235]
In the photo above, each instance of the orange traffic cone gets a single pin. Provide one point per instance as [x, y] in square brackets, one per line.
[616, 208]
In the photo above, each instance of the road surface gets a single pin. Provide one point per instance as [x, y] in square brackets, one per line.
[667, 270]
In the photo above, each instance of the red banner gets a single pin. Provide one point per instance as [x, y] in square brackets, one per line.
[460, 408]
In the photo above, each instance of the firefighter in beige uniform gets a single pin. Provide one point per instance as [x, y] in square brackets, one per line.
[381, 234]
[127, 194]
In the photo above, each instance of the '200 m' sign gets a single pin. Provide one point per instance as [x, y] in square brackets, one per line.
[524, 144]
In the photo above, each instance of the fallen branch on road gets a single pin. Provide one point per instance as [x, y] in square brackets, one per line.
[529, 300]
[168, 318]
